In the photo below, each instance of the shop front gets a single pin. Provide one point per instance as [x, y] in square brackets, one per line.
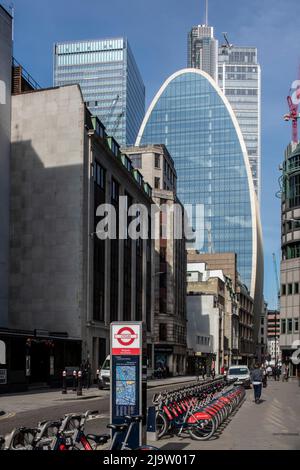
[33, 360]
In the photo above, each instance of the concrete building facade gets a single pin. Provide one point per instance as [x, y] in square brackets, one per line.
[206, 317]
[290, 247]
[262, 346]
[5, 118]
[239, 341]
[67, 285]
[169, 334]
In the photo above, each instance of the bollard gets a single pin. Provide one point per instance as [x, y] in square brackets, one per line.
[64, 384]
[74, 380]
[98, 378]
[79, 383]
[151, 424]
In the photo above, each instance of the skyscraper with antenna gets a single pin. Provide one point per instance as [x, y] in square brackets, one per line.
[237, 71]
[203, 47]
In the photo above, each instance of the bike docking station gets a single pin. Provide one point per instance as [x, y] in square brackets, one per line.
[128, 372]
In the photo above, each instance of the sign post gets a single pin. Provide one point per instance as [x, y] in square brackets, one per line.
[128, 378]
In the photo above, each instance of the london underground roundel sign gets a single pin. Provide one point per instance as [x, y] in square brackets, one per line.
[126, 339]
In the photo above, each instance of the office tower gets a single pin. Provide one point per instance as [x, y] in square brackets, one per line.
[110, 81]
[290, 247]
[67, 285]
[203, 49]
[237, 71]
[169, 332]
[191, 116]
[239, 77]
[5, 125]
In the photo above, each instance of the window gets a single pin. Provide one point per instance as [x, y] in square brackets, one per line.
[290, 325]
[157, 183]
[283, 289]
[290, 289]
[136, 160]
[296, 288]
[162, 331]
[99, 175]
[114, 190]
[283, 326]
[157, 160]
[296, 325]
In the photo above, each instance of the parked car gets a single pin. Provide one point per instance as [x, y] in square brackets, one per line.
[241, 373]
[104, 375]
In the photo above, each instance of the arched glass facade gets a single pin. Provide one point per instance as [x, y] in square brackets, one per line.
[192, 117]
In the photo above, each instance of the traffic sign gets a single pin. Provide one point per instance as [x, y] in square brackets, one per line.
[126, 339]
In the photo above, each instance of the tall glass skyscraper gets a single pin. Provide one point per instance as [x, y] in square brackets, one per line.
[110, 82]
[192, 117]
[237, 71]
[239, 78]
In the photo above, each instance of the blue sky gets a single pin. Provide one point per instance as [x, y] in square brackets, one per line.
[157, 31]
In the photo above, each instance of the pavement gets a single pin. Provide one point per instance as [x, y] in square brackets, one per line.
[38, 399]
[273, 424]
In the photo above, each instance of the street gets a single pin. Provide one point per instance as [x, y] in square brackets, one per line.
[273, 424]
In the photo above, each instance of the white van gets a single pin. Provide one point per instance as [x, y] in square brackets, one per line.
[104, 374]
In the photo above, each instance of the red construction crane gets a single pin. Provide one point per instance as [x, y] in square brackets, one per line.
[293, 102]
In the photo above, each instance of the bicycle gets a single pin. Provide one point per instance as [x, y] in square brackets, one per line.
[126, 427]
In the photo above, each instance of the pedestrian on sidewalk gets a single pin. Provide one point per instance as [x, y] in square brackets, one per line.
[269, 371]
[257, 379]
[298, 374]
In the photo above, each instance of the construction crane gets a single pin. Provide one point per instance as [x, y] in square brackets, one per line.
[110, 111]
[227, 45]
[117, 122]
[294, 115]
[278, 302]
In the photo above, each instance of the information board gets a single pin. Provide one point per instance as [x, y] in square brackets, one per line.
[128, 385]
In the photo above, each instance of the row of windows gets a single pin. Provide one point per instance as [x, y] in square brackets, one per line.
[289, 326]
[238, 68]
[290, 289]
[239, 76]
[293, 163]
[92, 57]
[203, 340]
[291, 251]
[245, 57]
[294, 191]
[89, 46]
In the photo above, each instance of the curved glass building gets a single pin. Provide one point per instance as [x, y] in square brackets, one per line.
[194, 119]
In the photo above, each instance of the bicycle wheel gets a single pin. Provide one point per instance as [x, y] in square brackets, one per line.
[146, 447]
[162, 424]
[202, 430]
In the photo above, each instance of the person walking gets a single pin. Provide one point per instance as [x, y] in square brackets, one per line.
[264, 371]
[283, 369]
[257, 379]
[269, 371]
[287, 372]
[298, 375]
